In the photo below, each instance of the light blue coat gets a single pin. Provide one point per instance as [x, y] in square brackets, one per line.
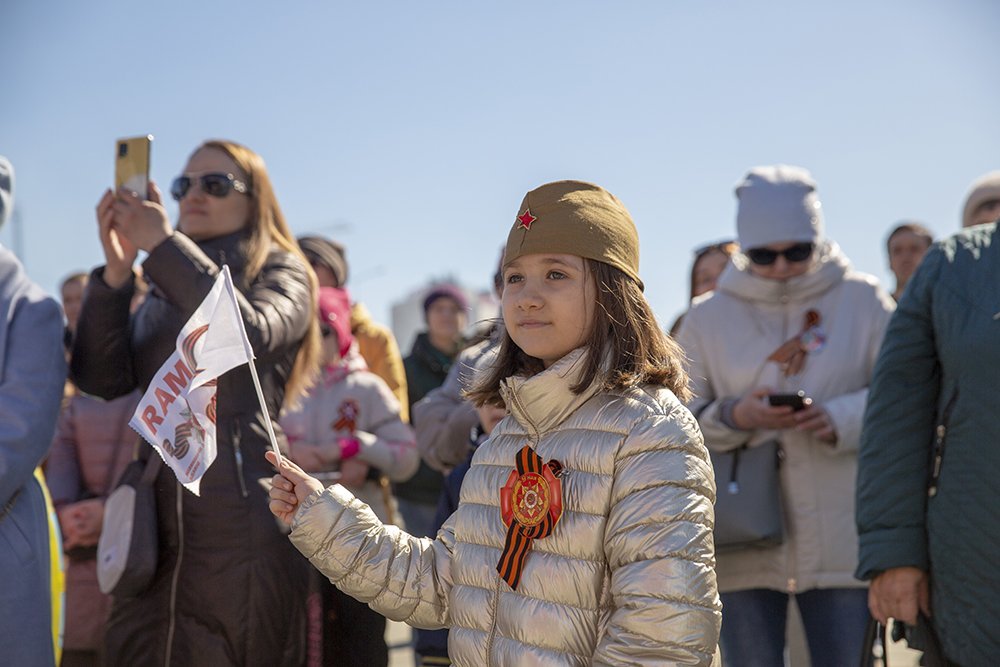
[32, 373]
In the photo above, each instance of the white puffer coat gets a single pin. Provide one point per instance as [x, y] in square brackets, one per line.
[627, 575]
[728, 337]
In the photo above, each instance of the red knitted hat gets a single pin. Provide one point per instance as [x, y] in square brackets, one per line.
[335, 313]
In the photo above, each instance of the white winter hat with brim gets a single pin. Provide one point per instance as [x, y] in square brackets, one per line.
[777, 204]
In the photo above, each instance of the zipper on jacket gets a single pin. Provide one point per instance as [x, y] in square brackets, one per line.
[493, 624]
[791, 562]
[496, 591]
[940, 431]
[238, 455]
[172, 619]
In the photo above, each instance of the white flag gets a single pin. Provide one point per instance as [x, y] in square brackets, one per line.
[177, 413]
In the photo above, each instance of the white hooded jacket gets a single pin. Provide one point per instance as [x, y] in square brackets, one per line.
[728, 335]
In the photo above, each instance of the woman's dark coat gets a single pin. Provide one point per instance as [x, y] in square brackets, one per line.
[229, 589]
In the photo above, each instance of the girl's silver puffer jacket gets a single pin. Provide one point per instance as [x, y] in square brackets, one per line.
[627, 575]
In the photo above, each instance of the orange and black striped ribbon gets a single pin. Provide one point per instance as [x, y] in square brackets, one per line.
[519, 537]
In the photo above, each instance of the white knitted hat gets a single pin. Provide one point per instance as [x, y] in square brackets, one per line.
[777, 204]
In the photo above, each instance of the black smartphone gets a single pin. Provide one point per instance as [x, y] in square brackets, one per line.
[797, 401]
[132, 164]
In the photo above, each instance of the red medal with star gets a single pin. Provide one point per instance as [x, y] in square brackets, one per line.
[530, 507]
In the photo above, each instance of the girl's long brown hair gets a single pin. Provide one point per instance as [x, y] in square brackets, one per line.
[266, 228]
[624, 324]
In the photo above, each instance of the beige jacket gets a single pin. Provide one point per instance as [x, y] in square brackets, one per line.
[728, 336]
[627, 575]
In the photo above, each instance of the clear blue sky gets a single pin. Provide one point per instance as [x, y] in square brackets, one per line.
[410, 131]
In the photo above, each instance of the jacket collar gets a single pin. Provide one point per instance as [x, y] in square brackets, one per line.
[228, 249]
[543, 401]
[829, 268]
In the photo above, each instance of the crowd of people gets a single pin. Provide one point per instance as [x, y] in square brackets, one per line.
[540, 489]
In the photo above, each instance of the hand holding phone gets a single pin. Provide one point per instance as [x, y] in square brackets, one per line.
[753, 411]
[796, 401]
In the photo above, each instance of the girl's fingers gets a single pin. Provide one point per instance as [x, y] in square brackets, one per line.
[286, 468]
[280, 482]
[279, 507]
[286, 496]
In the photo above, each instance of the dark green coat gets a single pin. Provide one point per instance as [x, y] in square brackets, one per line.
[426, 368]
[939, 370]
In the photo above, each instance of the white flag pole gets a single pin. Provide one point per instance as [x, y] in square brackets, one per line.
[250, 357]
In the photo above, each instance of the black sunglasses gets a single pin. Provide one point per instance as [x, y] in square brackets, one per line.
[325, 330]
[799, 252]
[215, 184]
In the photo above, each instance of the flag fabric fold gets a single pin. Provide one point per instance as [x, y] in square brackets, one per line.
[177, 414]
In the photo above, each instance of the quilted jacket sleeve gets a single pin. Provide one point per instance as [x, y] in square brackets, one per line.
[660, 548]
[402, 577]
[102, 340]
[899, 419]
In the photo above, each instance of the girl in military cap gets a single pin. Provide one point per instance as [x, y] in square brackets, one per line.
[584, 529]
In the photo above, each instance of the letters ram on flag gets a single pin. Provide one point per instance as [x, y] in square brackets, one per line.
[177, 413]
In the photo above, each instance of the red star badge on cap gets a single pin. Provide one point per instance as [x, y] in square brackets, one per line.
[526, 219]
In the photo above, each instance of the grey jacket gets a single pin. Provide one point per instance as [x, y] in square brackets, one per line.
[627, 575]
[32, 373]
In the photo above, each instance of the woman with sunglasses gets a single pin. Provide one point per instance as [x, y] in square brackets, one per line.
[229, 589]
[789, 316]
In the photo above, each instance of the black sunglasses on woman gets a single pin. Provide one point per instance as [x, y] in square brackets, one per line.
[215, 184]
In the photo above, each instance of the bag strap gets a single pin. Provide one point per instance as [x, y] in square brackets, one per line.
[112, 480]
[874, 633]
[152, 467]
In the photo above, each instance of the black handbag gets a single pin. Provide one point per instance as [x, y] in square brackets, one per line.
[127, 551]
[748, 497]
[921, 637]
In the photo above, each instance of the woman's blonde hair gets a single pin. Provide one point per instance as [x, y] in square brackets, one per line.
[266, 227]
[624, 327]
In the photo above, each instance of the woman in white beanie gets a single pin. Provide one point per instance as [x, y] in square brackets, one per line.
[789, 315]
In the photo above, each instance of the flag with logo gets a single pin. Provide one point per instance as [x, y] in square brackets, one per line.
[177, 413]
